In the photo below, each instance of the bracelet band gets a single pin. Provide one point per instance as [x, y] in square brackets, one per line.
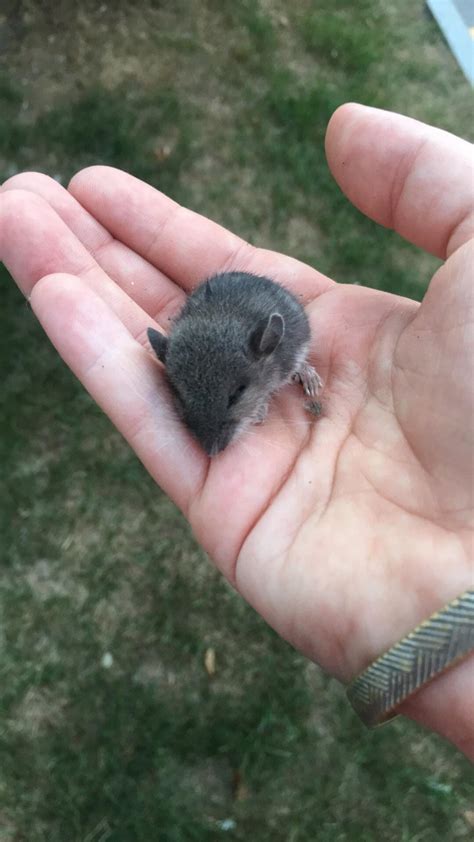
[436, 644]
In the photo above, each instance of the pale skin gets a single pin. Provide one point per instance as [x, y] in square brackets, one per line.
[346, 531]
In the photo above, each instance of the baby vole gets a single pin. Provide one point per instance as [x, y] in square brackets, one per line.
[238, 339]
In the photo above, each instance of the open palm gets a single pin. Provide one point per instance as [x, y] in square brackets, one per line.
[343, 532]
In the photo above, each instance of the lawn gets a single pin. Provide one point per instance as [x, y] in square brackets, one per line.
[114, 727]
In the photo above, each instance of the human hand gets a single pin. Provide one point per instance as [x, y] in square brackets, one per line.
[344, 533]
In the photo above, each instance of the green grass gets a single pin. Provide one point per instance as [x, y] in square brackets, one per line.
[225, 107]
[118, 127]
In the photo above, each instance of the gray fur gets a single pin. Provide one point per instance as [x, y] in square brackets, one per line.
[235, 330]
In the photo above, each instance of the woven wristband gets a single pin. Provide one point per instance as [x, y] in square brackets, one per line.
[435, 645]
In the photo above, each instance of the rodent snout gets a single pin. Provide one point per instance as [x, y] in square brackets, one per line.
[214, 442]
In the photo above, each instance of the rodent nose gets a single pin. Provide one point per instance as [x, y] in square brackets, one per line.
[213, 439]
[216, 444]
[210, 443]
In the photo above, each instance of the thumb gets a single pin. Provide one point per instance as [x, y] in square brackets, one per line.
[405, 175]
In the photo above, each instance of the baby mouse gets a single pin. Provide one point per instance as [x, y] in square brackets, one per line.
[237, 340]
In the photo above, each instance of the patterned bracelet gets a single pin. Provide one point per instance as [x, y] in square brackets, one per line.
[436, 644]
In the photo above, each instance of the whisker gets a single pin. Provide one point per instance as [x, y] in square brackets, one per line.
[268, 442]
[288, 424]
[153, 435]
[245, 446]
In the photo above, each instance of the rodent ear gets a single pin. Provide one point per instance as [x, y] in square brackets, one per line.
[159, 343]
[267, 335]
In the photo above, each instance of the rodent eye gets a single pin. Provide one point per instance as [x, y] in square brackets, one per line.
[235, 395]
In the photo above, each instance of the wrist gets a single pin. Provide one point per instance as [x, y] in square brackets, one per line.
[446, 705]
[427, 675]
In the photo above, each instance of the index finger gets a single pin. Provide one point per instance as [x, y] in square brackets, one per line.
[184, 245]
[405, 175]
